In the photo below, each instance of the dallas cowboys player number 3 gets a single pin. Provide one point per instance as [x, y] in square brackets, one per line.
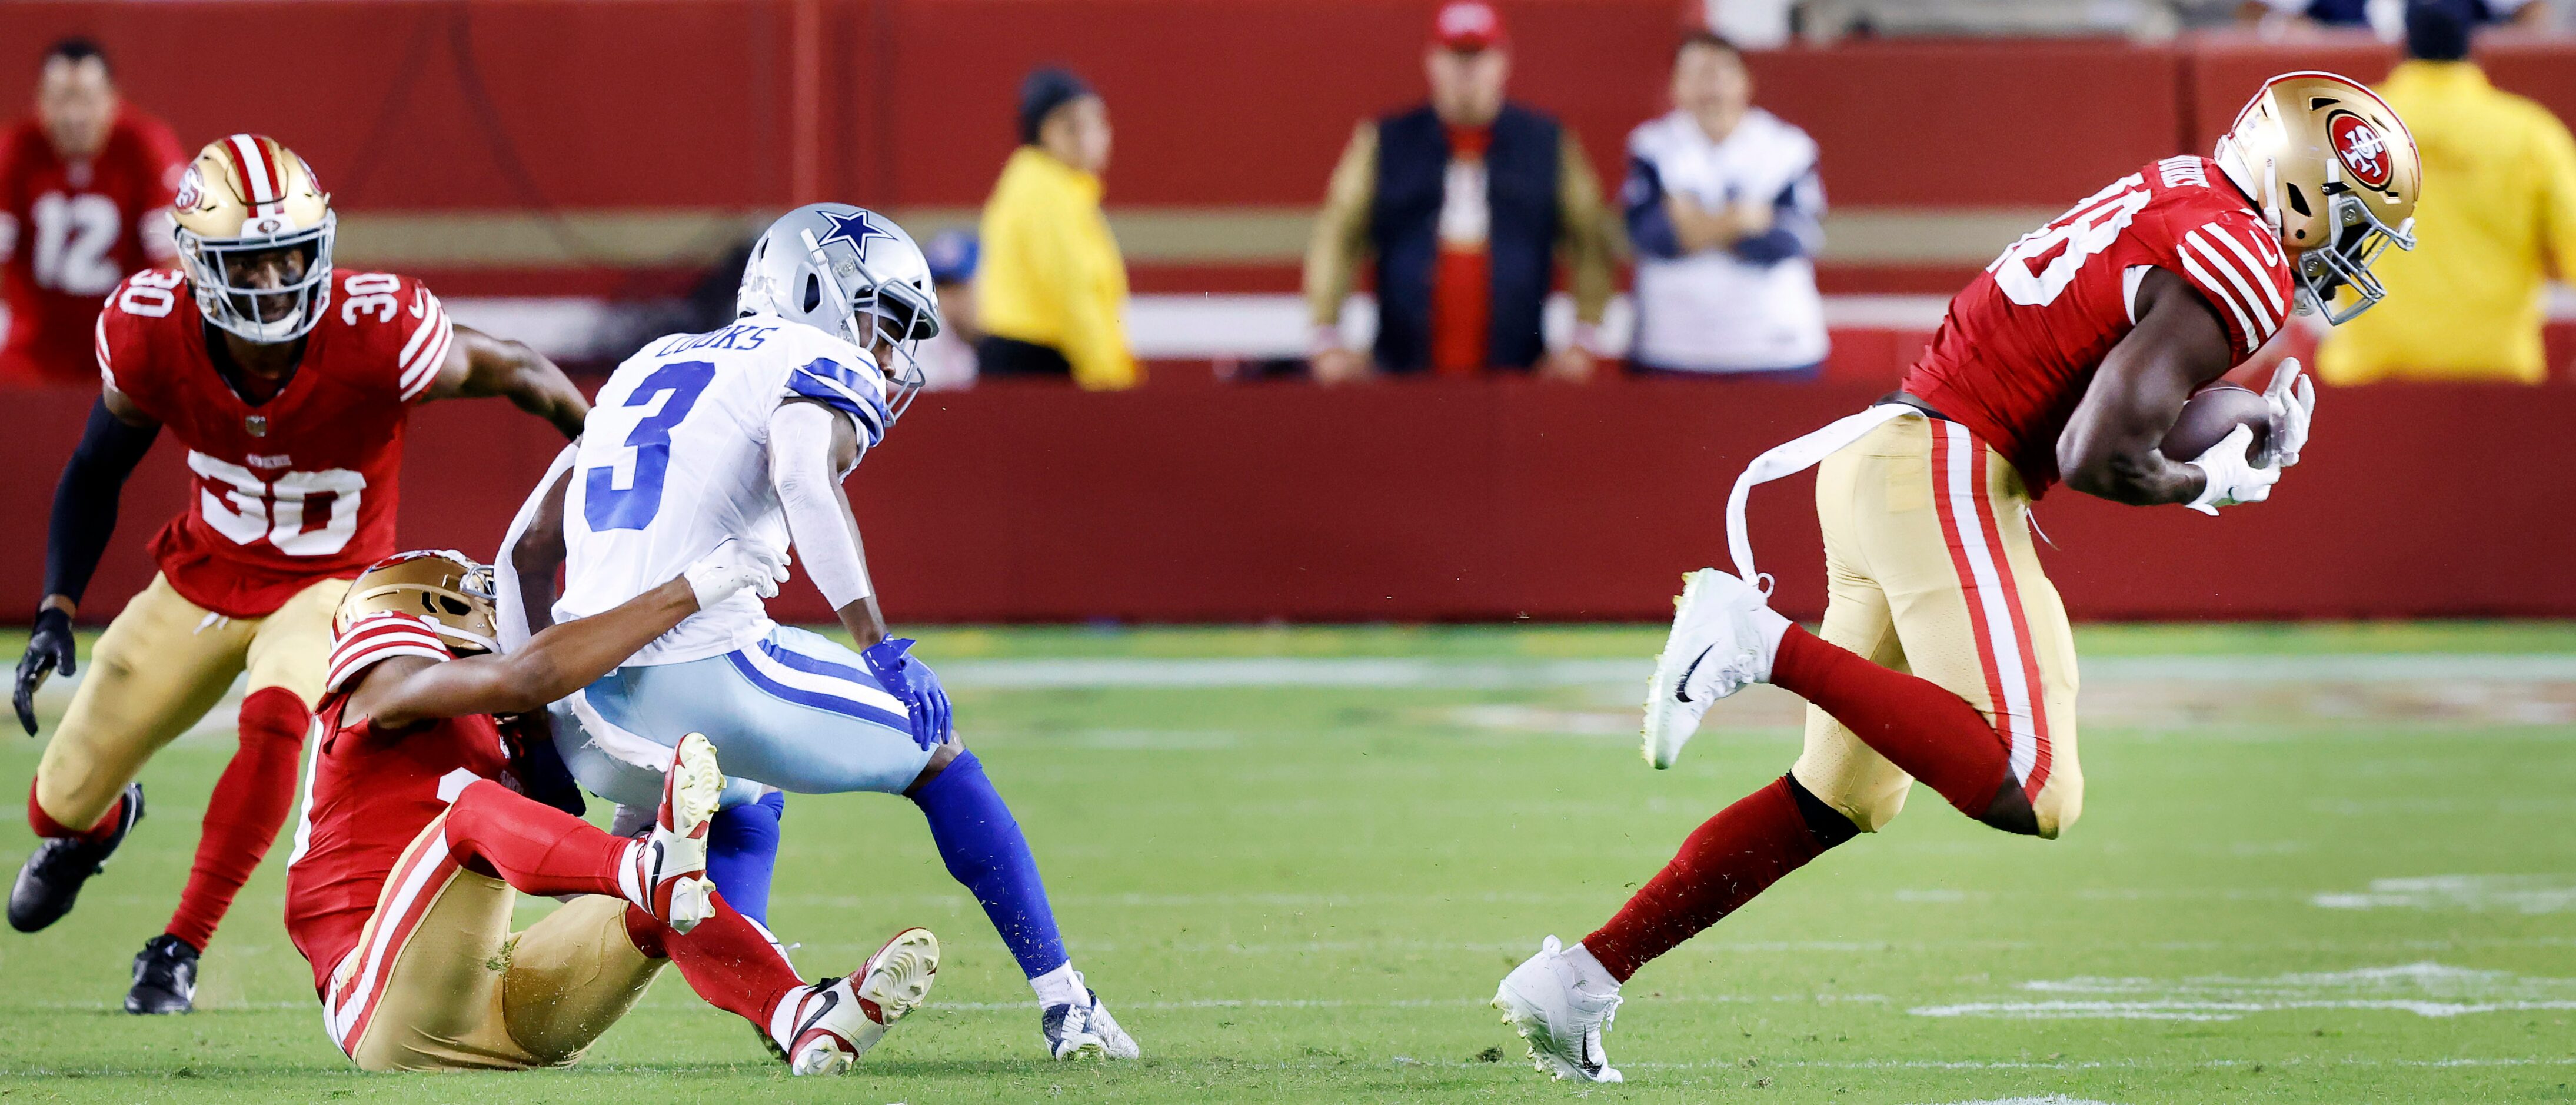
[745, 433]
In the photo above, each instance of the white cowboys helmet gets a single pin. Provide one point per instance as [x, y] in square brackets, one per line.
[853, 274]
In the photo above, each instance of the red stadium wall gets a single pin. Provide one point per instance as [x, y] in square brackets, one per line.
[1440, 501]
[1185, 501]
[578, 104]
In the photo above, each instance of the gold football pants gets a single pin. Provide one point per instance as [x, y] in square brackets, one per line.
[163, 662]
[1930, 569]
[439, 982]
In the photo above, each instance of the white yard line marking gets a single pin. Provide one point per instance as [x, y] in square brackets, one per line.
[2052, 1099]
[2425, 989]
[2515, 893]
[1408, 672]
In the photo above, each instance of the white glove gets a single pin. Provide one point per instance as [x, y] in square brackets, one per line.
[2227, 478]
[734, 566]
[2293, 398]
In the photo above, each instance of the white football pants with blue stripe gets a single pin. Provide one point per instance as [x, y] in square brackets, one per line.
[794, 710]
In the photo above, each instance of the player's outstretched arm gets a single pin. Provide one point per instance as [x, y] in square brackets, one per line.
[479, 365]
[2109, 448]
[84, 517]
[567, 657]
[811, 447]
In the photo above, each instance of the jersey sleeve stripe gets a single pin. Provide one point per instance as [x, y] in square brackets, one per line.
[2209, 286]
[420, 373]
[106, 365]
[2271, 293]
[2249, 309]
[842, 390]
[420, 333]
[377, 638]
[2236, 278]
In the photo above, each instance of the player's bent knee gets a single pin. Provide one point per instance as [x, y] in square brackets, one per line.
[1870, 802]
[2059, 804]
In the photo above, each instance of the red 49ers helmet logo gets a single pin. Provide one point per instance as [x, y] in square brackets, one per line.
[192, 190]
[2363, 150]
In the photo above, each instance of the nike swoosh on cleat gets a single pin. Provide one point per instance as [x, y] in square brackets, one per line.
[1681, 686]
[830, 1001]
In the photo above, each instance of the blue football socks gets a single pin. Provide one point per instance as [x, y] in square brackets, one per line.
[742, 853]
[985, 851]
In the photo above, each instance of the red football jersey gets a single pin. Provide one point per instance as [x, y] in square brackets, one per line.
[2018, 347]
[303, 486]
[70, 230]
[369, 792]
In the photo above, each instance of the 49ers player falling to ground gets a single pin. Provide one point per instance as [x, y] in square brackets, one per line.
[289, 382]
[410, 845]
[2069, 359]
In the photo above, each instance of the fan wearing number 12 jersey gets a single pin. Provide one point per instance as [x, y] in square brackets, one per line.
[1945, 654]
[288, 383]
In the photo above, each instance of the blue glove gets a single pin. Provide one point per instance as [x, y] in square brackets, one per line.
[913, 683]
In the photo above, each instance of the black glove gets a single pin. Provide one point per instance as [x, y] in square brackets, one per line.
[48, 647]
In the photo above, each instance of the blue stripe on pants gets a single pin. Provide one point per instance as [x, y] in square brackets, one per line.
[823, 737]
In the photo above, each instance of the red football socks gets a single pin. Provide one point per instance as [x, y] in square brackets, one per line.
[1932, 734]
[727, 960]
[243, 814]
[46, 827]
[534, 847]
[1725, 862]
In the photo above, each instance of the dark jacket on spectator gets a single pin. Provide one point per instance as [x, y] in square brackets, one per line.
[1385, 203]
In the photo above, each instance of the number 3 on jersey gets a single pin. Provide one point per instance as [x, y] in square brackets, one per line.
[2035, 269]
[607, 506]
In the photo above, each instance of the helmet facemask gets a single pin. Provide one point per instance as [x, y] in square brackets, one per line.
[2360, 236]
[267, 289]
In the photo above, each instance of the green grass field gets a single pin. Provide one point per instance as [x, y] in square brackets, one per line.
[2321, 864]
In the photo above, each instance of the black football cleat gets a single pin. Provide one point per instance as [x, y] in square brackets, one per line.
[52, 877]
[165, 977]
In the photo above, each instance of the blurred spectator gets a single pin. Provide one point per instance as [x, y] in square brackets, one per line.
[2387, 16]
[1723, 205]
[2498, 213]
[1051, 289]
[948, 360]
[1753, 24]
[85, 190]
[1466, 203]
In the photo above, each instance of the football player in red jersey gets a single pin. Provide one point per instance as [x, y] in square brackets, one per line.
[1945, 654]
[85, 190]
[412, 841]
[289, 382]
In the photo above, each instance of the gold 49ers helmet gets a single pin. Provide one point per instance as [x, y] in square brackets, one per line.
[255, 232]
[442, 586]
[2336, 174]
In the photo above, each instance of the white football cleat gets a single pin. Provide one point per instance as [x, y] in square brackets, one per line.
[667, 870]
[1562, 1023]
[1085, 1031]
[1723, 638]
[827, 1026]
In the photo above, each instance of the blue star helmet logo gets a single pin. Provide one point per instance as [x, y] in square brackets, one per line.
[855, 228]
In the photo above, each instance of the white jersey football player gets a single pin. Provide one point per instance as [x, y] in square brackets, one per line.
[745, 433]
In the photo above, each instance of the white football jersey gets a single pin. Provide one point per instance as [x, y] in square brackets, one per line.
[674, 459]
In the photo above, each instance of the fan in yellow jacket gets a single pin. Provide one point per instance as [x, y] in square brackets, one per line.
[2497, 218]
[1051, 290]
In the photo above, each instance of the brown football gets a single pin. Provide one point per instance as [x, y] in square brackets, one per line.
[2212, 414]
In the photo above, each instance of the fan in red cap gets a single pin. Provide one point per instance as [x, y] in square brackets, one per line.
[1468, 25]
[1464, 207]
